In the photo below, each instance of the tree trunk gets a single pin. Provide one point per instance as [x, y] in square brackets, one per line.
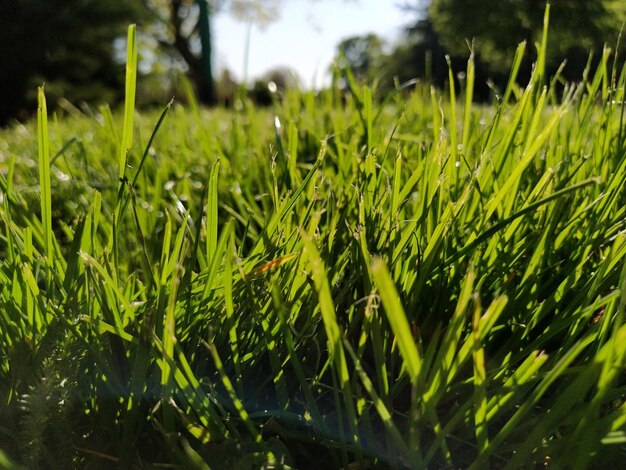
[204, 76]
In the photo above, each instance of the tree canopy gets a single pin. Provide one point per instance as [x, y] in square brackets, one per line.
[68, 44]
[498, 26]
[494, 29]
[362, 54]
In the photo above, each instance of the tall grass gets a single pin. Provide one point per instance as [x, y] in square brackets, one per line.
[322, 283]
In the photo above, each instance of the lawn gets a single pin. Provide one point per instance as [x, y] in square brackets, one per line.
[336, 280]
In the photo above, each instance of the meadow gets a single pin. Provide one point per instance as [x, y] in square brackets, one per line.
[422, 282]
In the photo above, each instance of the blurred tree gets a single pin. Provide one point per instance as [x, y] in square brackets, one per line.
[71, 45]
[68, 44]
[273, 85]
[361, 54]
[183, 27]
[447, 27]
[283, 78]
[419, 56]
[226, 88]
[576, 27]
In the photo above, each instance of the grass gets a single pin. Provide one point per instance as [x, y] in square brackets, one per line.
[331, 282]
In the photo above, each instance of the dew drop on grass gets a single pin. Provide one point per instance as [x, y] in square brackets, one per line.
[62, 176]
[147, 206]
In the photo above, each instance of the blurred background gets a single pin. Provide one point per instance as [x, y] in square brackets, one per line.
[77, 47]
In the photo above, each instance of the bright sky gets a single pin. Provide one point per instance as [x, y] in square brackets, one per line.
[305, 36]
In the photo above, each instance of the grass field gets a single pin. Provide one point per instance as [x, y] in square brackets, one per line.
[331, 282]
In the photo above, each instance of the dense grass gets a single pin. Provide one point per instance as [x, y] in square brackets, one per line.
[422, 283]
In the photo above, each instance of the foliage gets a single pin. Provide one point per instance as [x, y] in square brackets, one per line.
[361, 54]
[577, 27]
[420, 56]
[68, 45]
[424, 284]
[273, 85]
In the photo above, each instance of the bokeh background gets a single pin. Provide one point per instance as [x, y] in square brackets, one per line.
[76, 47]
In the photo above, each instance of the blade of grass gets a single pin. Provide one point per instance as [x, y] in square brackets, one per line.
[44, 177]
[331, 326]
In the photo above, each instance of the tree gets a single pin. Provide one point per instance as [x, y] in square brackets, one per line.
[183, 27]
[361, 54]
[66, 44]
[273, 84]
[576, 27]
[418, 56]
[448, 28]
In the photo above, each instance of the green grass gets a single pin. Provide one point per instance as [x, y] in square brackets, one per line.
[421, 283]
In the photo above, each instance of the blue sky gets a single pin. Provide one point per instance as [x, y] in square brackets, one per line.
[305, 36]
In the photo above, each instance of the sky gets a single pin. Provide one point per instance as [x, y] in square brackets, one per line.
[305, 36]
